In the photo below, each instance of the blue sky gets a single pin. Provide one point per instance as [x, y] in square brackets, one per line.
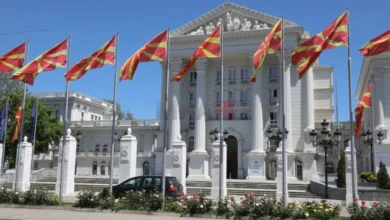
[93, 22]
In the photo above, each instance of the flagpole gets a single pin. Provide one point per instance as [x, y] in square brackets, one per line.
[65, 120]
[17, 161]
[165, 141]
[114, 115]
[221, 137]
[34, 136]
[284, 154]
[353, 155]
[373, 152]
[5, 137]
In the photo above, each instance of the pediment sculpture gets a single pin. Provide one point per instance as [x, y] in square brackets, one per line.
[231, 24]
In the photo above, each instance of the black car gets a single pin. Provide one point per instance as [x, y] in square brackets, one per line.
[173, 188]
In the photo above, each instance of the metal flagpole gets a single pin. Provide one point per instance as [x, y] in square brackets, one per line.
[221, 137]
[337, 117]
[17, 161]
[165, 139]
[5, 136]
[35, 134]
[114, 115]
[284, 154]
[65, 123]
[351, 113]
[373, 153]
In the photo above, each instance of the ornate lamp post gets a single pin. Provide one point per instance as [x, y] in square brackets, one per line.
[368, 139]
[326, 143]
[215, 136]
[278, 137]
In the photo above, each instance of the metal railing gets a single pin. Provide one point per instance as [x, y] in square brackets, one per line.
[120, 123]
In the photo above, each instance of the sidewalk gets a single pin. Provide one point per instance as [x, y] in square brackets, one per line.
[44, 214]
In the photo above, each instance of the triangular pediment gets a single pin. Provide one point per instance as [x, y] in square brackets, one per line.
[234, 18]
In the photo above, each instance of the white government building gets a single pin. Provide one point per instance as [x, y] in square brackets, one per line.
[250, 108]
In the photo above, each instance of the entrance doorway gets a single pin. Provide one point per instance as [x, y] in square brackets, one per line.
[232, 157]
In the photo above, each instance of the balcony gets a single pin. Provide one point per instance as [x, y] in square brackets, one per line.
[232, 81]
[244, 103]
[218, 81]
[97, 154]
[244, 80]
[119, 123]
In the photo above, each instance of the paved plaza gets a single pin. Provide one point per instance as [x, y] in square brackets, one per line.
[44, 214]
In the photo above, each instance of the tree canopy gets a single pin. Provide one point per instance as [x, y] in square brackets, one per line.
[49, 128]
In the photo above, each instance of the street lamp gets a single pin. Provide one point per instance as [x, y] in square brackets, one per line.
[380, 137]
[326, 143]
[368, 139]
[278, 137]
[215, 136]
[79, 135]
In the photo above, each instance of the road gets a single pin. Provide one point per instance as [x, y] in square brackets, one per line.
[44, 214]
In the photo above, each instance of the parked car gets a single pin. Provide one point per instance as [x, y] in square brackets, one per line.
[173, 188]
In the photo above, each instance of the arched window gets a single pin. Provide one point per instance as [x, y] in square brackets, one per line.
[97, 149]
[145, 167]
[103, 168]
[105, 148]
[330, 168]
[94, 168]
[191, 144]
[299, 170]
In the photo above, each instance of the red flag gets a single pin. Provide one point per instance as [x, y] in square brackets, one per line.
[13, 60]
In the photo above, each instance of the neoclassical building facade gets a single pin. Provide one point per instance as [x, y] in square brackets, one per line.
[194, 103]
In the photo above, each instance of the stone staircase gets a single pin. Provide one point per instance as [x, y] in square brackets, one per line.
[239, 188]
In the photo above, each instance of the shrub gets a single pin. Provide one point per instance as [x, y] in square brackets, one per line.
[196, 204]
[172, 206]
[87, 199]
[39, 197]
[367, 177]
[341, 172]
[224, 208]
[382, 176]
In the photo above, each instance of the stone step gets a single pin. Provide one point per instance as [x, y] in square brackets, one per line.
[198, 183]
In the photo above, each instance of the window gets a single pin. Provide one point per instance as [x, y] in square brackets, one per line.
[232, 96]
[97, 148]
[329, 168]
[218, 96]
[218, 75]
[273, 96]
[192, 100]
[105, 148]
[244, 75]
[244, 116]
[244, 97]
[273, 118]
[146, 171]
[133, 182]
[191, 144]
[140, 143]
[193, 77]
[273, 74]
[232, 75]
[57, 113]
[191, 119]
[82, 116]
[103, 168]
[91, 117]
[94, 168]
[231, 116]
[298, 170]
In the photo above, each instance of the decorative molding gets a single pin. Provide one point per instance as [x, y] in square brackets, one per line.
[176, 63]
[201, 64]
[219, 12]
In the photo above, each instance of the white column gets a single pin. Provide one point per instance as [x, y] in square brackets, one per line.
[1, 158]
[216, 169]
[128, 157]
[174, 102]
[69, 165]
[378, 96]
[199, 166]
[179, 165]
[348, 175]
[309, 81]
[256, 162]
[200, 123]
[160, 142]
[23, 183]
[279, 172]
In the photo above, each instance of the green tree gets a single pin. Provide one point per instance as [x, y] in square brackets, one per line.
[49, 128]
[341, 172]
[382, 176]
[8, 86]
[129, 116]
[119, 111]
